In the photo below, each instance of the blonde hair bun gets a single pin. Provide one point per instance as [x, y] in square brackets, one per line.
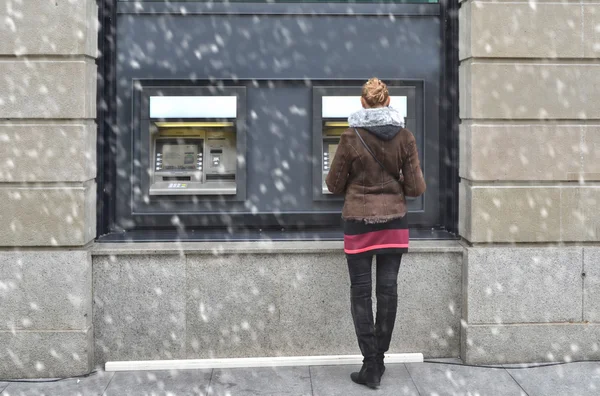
[375, 92]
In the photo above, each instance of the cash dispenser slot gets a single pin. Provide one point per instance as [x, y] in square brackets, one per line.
[177, 178]
[193, 157]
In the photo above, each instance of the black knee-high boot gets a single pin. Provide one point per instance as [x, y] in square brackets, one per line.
[362, 314]
[387, 304]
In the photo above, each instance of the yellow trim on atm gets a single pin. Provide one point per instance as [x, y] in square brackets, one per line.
[333, 131]
[334, 128]
[182, 132]
[339, 124]
[194, 124]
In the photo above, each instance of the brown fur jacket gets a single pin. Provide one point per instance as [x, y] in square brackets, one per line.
[372, 194]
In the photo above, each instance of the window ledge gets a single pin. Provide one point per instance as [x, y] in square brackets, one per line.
[255, 247]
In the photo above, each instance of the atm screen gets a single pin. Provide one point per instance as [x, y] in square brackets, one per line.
[179, 156]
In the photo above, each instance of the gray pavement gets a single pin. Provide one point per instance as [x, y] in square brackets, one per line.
[418, 379]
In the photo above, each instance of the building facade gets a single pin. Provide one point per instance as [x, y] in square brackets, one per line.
[505, 261]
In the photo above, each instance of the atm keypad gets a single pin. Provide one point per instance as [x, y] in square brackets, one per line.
[199, 163]
[158, 161]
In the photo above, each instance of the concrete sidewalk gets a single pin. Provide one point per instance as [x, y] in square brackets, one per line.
[419, 379]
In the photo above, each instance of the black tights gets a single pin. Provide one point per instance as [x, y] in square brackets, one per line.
[374, 336]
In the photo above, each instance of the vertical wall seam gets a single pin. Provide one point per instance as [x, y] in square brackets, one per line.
[581, 177]
[582, 284]
[582, 140]
[582, 30]
[561, 234]
[464, 299]
[90, 321]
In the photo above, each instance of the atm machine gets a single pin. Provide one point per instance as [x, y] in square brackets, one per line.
[331, 111]
[332, 130]
[193, 145]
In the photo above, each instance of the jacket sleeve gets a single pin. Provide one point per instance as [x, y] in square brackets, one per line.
[340, 167]
[414, 182]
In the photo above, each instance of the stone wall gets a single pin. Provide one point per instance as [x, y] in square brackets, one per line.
[530, 166]
[530, 184]
[47, 187]
[195, 305]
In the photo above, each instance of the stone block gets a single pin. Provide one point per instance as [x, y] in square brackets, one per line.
[316, 289]
[523, 152]
[465, 221]
[314, 307]
[47, 88]
[48, 152]
[530, 343]
[429, 305]
[47, 215]
[45, 354]
[90, 216]
[464, 90]
[580, 218]
[233, 306]
[492, 90]
[591, 152]
[491, 213]
[591, 285]
[591, 30]
[518, 30]
[300, 305]
[465, 147]
[244, 305]
[49, 27]
[464, 31]
[45, 290]
[523, 285]
[139, 307]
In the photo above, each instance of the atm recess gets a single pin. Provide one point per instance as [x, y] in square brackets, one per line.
[331, 108]
[191, 142]
[276, 136]
[180, 148]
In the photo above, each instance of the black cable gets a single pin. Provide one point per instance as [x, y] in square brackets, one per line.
[49, 380]
[511, 368]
